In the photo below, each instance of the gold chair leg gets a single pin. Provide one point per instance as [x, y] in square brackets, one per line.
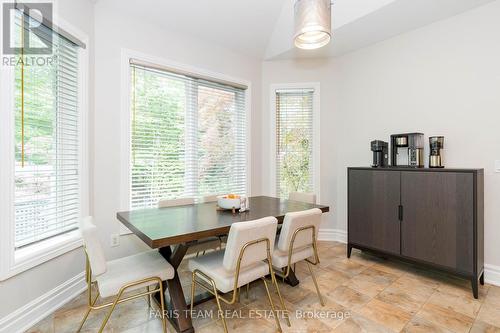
[315, 284]
[220, 308]
[148, 297]
[272, 306]
[87, 313]
[283, 306]
[108, 315]
[162, 303]
[193, 286]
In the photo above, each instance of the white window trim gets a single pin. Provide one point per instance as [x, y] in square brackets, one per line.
[13, 262]
[126, 55]
[316, 134]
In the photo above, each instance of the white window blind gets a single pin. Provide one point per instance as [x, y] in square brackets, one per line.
[294, 140]
[188, 137]
[47, 191]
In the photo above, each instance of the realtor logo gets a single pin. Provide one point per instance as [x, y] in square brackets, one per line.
[36, 19]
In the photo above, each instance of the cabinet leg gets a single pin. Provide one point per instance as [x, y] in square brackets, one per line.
[481, 279]
[475, 288]
[349, 250]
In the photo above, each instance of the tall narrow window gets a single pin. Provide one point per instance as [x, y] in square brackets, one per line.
[188, 137]
[47, 175]
[294, 141]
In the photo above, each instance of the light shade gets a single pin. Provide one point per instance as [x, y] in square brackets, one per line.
[313, 23]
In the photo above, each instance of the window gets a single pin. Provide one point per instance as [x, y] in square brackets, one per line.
[187, 135]
[46, 146]
[43, 188]
[296, 139]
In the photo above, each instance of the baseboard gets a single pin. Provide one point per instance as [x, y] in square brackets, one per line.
[30, 314]
[492, 274]
[337, 235]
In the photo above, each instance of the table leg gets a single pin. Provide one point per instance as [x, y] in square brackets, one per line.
[178, 309]
[292, 278]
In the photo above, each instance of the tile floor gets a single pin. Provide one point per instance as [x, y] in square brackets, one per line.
[362, 294]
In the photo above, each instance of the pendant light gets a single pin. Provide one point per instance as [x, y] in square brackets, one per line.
[313, 23]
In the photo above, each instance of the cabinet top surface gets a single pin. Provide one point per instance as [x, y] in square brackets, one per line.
[418, 169]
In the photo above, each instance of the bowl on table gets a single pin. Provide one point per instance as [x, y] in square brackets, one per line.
[229, 201]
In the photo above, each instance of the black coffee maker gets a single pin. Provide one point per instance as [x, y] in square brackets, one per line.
[436, 144]
[380, 151]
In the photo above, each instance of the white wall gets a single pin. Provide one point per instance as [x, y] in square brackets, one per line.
[440, 79]
[114, 31]
[27, 286]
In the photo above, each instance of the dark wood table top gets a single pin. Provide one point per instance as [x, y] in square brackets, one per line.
[160, 227]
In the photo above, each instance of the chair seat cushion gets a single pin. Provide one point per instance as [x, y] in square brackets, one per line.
[211, 265]
[131, 269]
[280, 258]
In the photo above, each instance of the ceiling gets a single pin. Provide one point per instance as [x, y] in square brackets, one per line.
[263, 29]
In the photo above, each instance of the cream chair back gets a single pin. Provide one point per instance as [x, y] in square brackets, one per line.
[303, 197]
[242, 233]
[164, 203]
[294, 221]
[210, 198]
[93, 245]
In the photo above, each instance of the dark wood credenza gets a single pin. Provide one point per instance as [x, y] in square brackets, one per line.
[432, 217]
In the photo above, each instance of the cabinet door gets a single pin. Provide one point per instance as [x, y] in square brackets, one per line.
[437, 224]
[374, 198]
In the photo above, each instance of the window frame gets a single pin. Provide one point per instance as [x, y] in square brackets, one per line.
[316, 134]
[125, 121]
[12, 261]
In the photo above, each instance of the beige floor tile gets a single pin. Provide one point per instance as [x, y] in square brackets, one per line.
[371, 281]
[446, 318]
[377, 276]
[465, 305]
[490, 313]
[348, 297]
[385, 314]
[462, 289]
[326, 282]
[430, 278]
[403, 298]
[393, 267]
[360, 324]
[336, 250]
[415, 285]
[349, 267]
[493, 296]
[44, 326]
[420, 325]
[482, 327]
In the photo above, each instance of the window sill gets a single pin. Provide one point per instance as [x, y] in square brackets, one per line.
[44, 251]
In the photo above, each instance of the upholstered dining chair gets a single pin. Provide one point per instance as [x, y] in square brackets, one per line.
[114, 278]
[247, 258]
[210, 243]
[303, 197]
[297, 242]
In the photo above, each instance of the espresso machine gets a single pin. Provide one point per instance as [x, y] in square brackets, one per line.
[407, 150]
[380, 151]
[436, 144]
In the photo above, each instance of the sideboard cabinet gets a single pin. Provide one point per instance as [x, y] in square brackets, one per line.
[432, 217]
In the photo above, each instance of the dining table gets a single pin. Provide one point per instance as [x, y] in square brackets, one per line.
[172, 230]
